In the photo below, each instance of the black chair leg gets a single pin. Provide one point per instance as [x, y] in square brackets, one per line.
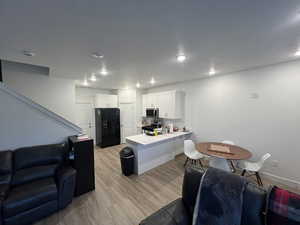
[201, 164]
[259, 181]
[199, 160]
[243, 173]
[193, 162]
[186, 161]
[233, 169]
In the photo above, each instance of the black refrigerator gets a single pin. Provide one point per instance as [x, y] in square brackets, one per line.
[107, 127]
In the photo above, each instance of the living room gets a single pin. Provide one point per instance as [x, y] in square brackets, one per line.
[122, 112]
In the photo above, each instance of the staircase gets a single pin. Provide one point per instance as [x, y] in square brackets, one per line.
[23, 122]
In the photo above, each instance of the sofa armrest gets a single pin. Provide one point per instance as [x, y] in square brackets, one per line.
[65, 179]
[175, 213]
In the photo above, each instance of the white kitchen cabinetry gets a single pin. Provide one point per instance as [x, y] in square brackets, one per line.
[169, 103]
[150, 100]
[106, 101]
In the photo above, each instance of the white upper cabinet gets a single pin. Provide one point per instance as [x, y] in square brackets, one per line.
[152, 100]
[106, 101]
[169, 103]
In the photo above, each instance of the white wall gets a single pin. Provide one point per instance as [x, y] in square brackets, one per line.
[257, 109]
[21, 125]
[55, 94]
[87, 95]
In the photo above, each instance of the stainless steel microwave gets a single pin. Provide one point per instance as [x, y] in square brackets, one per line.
[152, 112]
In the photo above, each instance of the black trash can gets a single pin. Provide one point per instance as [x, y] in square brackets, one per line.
[127, 161]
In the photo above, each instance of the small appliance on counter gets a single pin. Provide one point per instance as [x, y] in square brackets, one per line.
[153, 130]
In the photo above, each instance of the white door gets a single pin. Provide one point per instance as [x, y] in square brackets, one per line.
[127, 117]
[85, 118]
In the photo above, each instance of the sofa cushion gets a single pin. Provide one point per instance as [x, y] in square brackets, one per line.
[253, 205]
[28, 196]
[34, 173]
[39, 156]
[174, 213]
[191, 182]
[32, 215]
[4, 189]
[6, 162]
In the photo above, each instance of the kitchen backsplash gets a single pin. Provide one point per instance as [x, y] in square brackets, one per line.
[176, 123]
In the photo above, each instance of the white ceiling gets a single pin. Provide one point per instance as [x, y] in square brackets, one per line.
[140, 38]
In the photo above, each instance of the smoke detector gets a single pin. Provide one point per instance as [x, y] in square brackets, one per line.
[97, 55]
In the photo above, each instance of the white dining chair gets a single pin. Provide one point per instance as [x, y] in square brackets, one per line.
[191, 153]
[254, 167]
[220, 163]
[233, 169]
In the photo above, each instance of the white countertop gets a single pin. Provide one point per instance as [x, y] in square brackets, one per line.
[144, 139]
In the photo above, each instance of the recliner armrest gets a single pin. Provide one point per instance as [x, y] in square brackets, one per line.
[65, 179]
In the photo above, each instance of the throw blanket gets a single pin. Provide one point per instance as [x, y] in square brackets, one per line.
[220, 199]
[283, 207]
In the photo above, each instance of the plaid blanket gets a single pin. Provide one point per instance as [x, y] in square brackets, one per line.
[283, 207]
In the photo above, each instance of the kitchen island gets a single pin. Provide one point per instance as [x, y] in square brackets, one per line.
[152, 151]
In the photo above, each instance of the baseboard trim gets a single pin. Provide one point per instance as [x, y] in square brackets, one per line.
[283, 180]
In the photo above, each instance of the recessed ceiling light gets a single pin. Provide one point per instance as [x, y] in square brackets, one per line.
[103, 71]
[181, 58]
[97, 55]
[212, 71]
[85, 83]
[28, 53]
[297, 53]
[138, 85]
[93, 78]
[152, 81]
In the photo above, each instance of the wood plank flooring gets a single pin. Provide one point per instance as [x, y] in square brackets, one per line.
[120, 200]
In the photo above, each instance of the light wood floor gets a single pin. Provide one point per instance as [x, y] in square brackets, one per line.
[120, 200]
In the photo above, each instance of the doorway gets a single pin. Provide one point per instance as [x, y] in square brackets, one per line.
[128, 120]
[85, 118]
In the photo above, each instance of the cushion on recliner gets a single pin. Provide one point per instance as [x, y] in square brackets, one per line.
[34, 173]
[174, 213]
[5, 172]
[191, 183]
[39, 156]
[4, 189]
[253, 205]
[28, 196]
[6, 162]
